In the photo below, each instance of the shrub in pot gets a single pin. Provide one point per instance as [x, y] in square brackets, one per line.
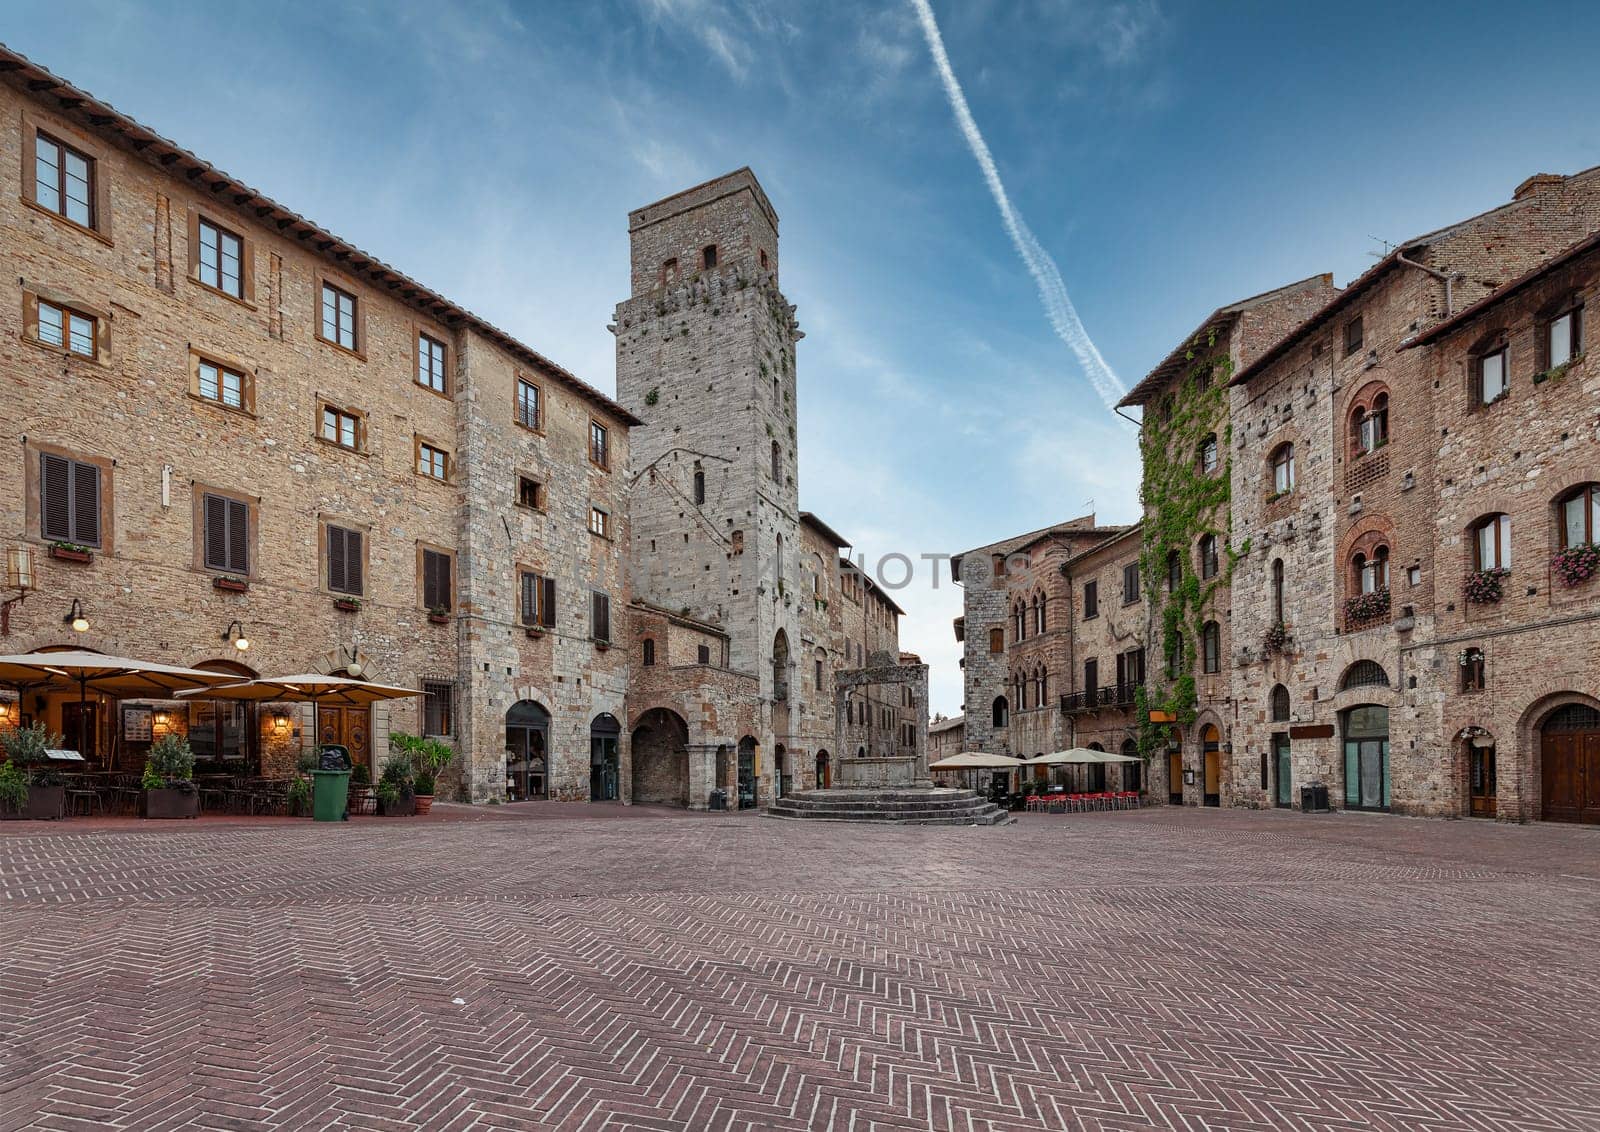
[388, 795]
[169, 780]
[13, 789]
[299, 798]
[46, 790]
[427, 757]
[396, 775]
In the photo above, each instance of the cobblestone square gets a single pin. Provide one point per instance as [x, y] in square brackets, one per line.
[552, 966]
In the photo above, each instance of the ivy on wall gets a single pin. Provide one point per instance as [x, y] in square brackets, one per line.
[1182, 504]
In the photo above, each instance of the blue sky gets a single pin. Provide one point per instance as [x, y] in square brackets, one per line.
[1168, 157]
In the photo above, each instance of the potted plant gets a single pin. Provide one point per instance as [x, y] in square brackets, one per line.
[395, 791]
[13, 790]
[439, 615]
[347, 604]
[46, 796]
[71, 552]
[299, 796]
[428, 757]
[1577, 564]
[233, 583]
[1484, 587]
[388, 795]
[169, 780]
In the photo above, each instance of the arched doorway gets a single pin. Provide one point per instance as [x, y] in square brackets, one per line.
[1132, 773]
[604, 774]
[1211, 748]
[747, 772]
[1094, 774]
[349, 727]
[661, 758]
[1569, 748]
[824, 771]
[1175, 768]
[1482, 789]
[527, 751]
[1366, 757]
[780, 768]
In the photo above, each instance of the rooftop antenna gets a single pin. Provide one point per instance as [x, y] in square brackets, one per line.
[1387, 246]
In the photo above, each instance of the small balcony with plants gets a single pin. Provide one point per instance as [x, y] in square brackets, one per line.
[1366, 610]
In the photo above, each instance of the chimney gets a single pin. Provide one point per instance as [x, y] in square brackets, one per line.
[1536, 184]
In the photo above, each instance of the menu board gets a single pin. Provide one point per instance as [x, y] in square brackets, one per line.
[138, 724]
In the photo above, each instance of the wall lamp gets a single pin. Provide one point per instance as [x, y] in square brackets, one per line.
[235, 633]
[75, 618]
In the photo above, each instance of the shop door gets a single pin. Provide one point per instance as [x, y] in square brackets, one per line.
[1175, 777]
[1481, 781]
[747, 777]
[1571, 770]
[1284, 782]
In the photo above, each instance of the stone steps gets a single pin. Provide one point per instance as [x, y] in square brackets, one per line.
[907, 806]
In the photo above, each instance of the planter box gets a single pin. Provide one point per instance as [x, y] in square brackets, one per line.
[533, 632]
[404, 808]
[439, 618]
[65, 555]
[347, 605]
[45, 803]
[171, 803]
[232, 585]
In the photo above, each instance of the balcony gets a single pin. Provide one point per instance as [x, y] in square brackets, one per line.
[1111, 697]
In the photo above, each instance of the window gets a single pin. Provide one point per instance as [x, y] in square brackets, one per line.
[699, 487]
[1174, 571]
[1208, 455]
[1091, 600]
[601, 613]
[1414, 575]
[538, 600]
[1580, 516]
[1492, 380]
[344, 428]
[1280, 704]
[703, 654]
[1491, 543]
[1175, 657]
[599, 445]
[69, 500]
[1364, 674]
[1472, 670]
[762, 257]
[1283, 469]
[1130, 583]
[1372, 425]
[777, 462]
[1211, 647]
[528, 405]
[63, 180]
[67, 329]
[338, 324]
[708, 256]
[600, 522]
[1091, 675]
[1563, 339]
[220, 384]
[997, 640]
[1372, 573]
[1208, 556]
[1277, 591]
[430, 364]
[438, 589]
[438, 707]
[669, 272]
[219, 259]
[649, 652]
[998, 714]
[1130, 668]
[530, 493]
[432, 462]
[1038, 614]
[1354, 336]
[818, 663]
[346, 560]
[225, 543]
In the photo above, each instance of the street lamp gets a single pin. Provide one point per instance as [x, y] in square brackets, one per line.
[235, 633]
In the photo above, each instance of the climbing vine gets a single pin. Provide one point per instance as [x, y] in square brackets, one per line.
[1182, 504]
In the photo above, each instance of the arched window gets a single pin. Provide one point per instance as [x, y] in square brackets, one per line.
[777, 462]
[699, 486]
[1211, 646]
[1579, 512]
[1000, 716]
[1038, 614]
[1491, 543]
[1208, 454]
[1372, 572]
[649, 651]
[1364, 674]
[1277, 591]
[1280, 704]
[1371, 431]
[1283, 469]
[1208, 556]
[1174, 571]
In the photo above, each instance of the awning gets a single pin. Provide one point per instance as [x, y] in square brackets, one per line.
[305, 687]
[1080, 756]
[976, 760]
[121, 676]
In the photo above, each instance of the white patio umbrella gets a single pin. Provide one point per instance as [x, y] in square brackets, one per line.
[1080, 756]
[976, 760]
[308, 688]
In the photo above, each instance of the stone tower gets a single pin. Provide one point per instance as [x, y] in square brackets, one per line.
[706, 358]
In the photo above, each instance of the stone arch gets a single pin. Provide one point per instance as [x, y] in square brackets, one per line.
[1000, 712]
[747, 792]
[1371, 399]
[1279, 705]
[1529, 767]
[661, 758]
[527, 726]
[1363, 674]
[824, 770]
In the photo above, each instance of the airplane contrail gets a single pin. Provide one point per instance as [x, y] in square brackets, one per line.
[1058, 308]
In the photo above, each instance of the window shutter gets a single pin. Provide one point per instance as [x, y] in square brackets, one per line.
[238, 537]
[338, 576]
[55, 498]
[216, 532]
[528, 582]
[353, 560]
[435, 579]
[85, 504]
[602, 617]
[548, 609]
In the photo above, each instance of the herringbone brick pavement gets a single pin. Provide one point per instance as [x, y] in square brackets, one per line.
[561, 968]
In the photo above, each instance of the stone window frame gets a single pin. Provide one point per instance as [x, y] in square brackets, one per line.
[1132, 584]
[710, 256]
[1091, 599]
[1587, 490]
[327, 404]
[423, 549]
[1374, 552]
[1208, 456]
[546, 597]
[1211, 648]
[602, 528]
[221, 361]
[1355, 335]
[32, 488]
[418, 443]
[1474, 670]
[327, 521]
[997, 639]
[1209, 552]
[669, 271]
[199, 492]
[599, 442]
[541, 493]
[35, 122]
[647, 652]
[322, 278]
[1495, 344]
[31, 298]
[247, 257]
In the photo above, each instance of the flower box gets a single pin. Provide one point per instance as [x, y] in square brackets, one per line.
[230, 584]
[534, 631]
[71, 554]
[439, 618]
[1485, 587]
[347, 604]
[45, 803]
[403, 808]
[172, 802]
[1577, 564]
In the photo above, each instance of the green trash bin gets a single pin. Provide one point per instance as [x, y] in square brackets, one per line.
[330, 784]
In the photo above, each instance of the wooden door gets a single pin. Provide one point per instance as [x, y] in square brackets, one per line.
[1481, 781]
[350, 728]
[1571, 776]
[1175, 777]
[80, 727]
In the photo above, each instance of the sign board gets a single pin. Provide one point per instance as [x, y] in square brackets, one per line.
[1312, 731]
[60, 755]
[138, 724]
[1162, 716]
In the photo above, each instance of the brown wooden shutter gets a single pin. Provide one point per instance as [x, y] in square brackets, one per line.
[436, 580]
[354, 562]
[85, 504]
[547, 611]
[216, 532]
[530, 605]
[338, 577]
[238, 537]
[55, 497]
[602, 617]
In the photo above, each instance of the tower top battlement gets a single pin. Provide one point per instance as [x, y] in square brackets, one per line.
[724, 222]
